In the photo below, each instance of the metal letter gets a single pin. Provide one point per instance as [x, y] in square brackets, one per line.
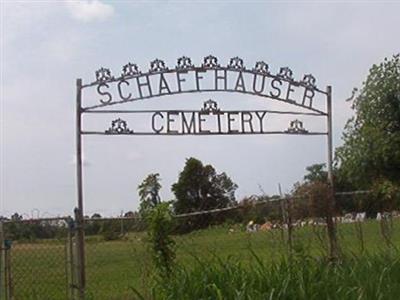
[104, 93]
[146, 83]
[179, 79]
[201, 120]
[153, 122]
[255, 84]
[188, 127]
[218, 120]
[260, 118]
[230, 121]
[163, 85]
[289, 89]
[309, 97]
[275, 88]
[240, 83]
[120, 90]
[219, 77]
[170, 120]
[198, 77]
[247, 121]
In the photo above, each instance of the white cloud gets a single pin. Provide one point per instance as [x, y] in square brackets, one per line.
[90, 10]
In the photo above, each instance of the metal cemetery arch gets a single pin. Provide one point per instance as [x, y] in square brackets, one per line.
[134, 85]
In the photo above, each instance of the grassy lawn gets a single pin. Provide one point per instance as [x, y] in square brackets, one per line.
[41, 270]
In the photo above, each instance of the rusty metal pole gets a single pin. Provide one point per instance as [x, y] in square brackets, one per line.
[331, 228]
[80, 219]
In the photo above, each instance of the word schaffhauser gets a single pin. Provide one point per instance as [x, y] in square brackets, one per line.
[202, 80]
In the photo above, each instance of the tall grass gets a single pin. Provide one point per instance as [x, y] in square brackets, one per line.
[301, 277]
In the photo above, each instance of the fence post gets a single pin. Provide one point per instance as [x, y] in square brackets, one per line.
[80, 261]
[2, 271]
[9, 295]
[331, 228]
[70, 258]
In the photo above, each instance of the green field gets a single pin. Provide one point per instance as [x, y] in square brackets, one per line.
[41, 270]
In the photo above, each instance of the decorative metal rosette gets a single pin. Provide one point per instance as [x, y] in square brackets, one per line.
[285, 73]
[261, 68]
[309, 80]
[130, 69]
[119, 126]
[184, 63]
[210, 107]
[296, 126]
[210, 62]
[157, 65]
[236, 63]
[103, 75]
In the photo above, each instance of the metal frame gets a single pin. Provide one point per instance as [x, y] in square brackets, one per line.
[130, 71]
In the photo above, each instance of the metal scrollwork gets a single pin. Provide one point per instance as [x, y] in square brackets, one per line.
[184, 63]
[236, 63]
[296, 126]
[130, 69]
[103, 74]
[157, 65]
[119, 126]
[308, 80]
[210, 107]
[261, 68]
[286, 73]
[210, 62]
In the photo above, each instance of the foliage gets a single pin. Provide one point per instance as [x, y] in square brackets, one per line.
[316, 172]
[110, 230]
[34, 230]
[310, 196]
[386, 194]
[149, 193]
[259, 209]
[366, 277]
[371, 149]
[160, 227]
[199, 187]
[16, 217]
[310, 199]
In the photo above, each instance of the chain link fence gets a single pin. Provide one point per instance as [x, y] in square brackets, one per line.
[39, 257]
[115, 256]
[36, 259]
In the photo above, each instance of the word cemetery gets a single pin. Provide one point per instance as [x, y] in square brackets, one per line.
[207, 121]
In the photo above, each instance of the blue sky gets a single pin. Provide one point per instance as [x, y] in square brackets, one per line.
[46, 45]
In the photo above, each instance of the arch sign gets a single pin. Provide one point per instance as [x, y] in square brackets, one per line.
[108, 92]
[185, 78]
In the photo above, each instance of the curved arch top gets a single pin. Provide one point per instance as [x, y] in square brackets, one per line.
[210, 76]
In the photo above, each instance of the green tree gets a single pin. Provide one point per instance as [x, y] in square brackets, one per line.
[316, 172]
[371, 149]
[149, 192]
[199, 187]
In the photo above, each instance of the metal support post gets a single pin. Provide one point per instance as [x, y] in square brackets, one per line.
[331, 228]
[2, 267]
[80, 241]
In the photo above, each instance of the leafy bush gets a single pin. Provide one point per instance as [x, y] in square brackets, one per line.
[160, 225]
